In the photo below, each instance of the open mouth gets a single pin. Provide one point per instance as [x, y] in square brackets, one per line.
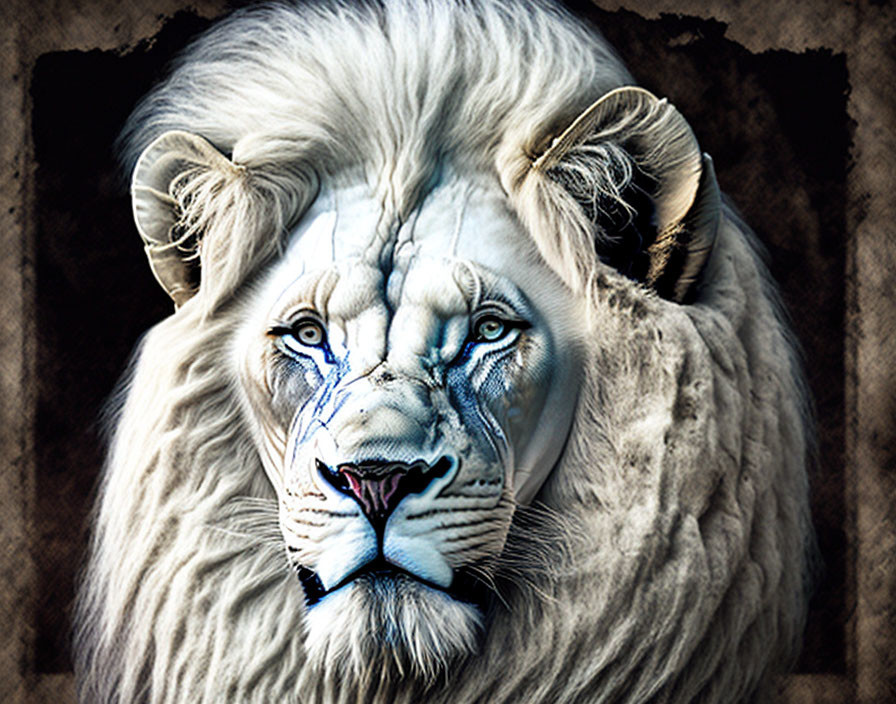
[464, 586]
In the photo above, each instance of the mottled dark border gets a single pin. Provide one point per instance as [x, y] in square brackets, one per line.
[780, 125]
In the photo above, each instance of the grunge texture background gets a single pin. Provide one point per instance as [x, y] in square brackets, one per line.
[796, 103]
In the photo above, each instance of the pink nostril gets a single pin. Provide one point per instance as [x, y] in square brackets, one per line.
[377, 495]
[380, 486]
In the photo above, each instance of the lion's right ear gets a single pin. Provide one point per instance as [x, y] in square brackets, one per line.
[646, 193]
[159, 191]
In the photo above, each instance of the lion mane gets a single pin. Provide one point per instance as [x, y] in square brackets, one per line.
[661, 558]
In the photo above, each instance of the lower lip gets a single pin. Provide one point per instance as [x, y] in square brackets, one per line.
[378, 571]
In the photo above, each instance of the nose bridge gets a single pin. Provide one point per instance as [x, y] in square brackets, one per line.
[415, 337]
[384, 412]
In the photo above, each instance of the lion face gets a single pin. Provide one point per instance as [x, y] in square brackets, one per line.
[413, 380]
[534, 295]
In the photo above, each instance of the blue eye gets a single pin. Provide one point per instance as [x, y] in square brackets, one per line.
[493, 325]
[490, 328]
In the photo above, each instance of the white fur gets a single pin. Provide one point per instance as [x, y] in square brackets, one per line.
[409, 631]
[663, 559]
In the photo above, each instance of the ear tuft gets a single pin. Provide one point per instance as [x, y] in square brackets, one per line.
[170, 244]
[634, 166]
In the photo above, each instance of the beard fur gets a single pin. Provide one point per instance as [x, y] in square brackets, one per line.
[380, 625]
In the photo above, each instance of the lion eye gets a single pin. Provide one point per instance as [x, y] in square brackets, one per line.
[305, 332]
[489, 329]
[309, 332]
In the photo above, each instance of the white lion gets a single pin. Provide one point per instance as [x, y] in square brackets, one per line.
[474, 392]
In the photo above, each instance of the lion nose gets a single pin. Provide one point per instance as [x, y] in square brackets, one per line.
[379, 486]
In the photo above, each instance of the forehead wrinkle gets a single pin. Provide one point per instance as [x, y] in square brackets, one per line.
[469, 280]
[405, 234]
[459, 221]
[289, 289]
[478, 284]
[437, 280]
[382, 243]
[334, 207]
[314, 288]
[400, 197]
[360, 225]
[475, 282]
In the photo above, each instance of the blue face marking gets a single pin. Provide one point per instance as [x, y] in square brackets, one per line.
[480, 358]
[326, 399]
[295, 347]
[469, 402]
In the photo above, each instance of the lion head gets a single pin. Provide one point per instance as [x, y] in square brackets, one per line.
[474, 391]
[410, 381]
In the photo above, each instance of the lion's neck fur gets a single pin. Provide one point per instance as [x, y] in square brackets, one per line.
[188, 596]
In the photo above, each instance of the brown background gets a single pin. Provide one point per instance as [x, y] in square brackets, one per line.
[795, 101]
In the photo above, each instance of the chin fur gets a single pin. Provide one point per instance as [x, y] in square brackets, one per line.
[385, 624]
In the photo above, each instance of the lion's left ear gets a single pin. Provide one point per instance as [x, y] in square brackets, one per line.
[634, 166]
[162, 175]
